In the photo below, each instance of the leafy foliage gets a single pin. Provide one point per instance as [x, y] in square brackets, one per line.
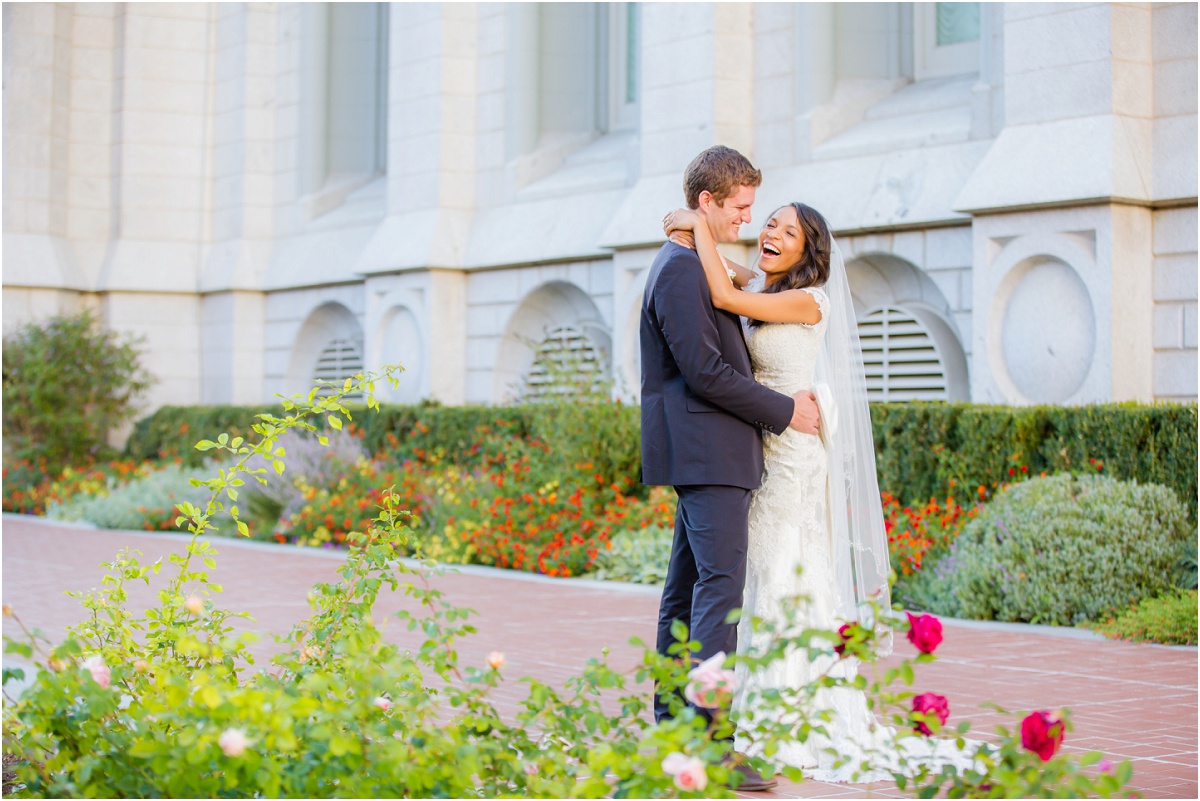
[67, 383]
[1170, 619]
[638, 555]
[30, 486]
[148, 500]
[1065, 549]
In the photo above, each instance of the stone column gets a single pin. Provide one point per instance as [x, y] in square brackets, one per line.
[1062, 228]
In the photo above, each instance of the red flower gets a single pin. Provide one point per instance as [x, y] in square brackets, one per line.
[845, 633]
[925, 632]
[930, 704]
[1042, 733]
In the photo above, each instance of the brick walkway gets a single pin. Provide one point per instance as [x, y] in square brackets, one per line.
[1130, 701]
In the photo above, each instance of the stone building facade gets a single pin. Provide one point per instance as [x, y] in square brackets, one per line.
[270, 193]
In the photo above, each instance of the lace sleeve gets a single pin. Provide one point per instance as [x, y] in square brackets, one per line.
[822, 303]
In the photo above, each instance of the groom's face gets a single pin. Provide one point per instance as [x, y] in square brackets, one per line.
[726, 219]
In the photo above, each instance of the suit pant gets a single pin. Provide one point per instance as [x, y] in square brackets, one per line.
[707, 572]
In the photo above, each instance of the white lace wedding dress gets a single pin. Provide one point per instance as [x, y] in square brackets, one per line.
[789, 527]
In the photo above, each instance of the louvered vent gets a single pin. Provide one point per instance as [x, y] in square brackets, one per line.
[564, 363]
[901, 360]
[341, 359]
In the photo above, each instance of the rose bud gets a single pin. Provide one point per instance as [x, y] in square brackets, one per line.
[8, 611]
[100, 673]
[844, 633]
[383, 703]
[1105, 766]
[925, 632]
[689, 772]
[1042, 733]
[233, 742]
[930, 704]
[55, 664]
[141, 666]
[193, 605]
[711, 685]
[495, 660]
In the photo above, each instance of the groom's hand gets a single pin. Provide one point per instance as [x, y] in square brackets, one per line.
[805, 417]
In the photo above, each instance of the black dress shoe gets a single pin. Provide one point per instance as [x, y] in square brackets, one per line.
[752, 781]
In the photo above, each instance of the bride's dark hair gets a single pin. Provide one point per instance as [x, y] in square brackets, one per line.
[813, 267]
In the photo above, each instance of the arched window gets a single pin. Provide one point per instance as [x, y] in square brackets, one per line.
[565, 363]
[340, 359]
[901, 358]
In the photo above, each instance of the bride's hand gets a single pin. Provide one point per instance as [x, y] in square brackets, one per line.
[680, 220]
[683, 238]
[679, 226]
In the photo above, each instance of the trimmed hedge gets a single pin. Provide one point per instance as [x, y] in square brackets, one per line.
[979, 445]
[919, 447]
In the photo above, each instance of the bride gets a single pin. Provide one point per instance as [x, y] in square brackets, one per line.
[818, 505]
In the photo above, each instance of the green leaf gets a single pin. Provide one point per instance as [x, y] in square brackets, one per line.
[205, 445]
[243, 529]
[209, 696]
[335, 422]
[142, 749]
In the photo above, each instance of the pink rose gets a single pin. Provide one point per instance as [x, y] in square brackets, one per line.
[711, 685]
[495, 660]
[193, 605]
[1105, 766]
[925, 632]
[100, 672]
[1042, 733]
[233, 742]
[383, 703]
[688, 771]
[931, 704]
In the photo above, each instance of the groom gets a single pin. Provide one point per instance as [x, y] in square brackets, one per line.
[703, 415]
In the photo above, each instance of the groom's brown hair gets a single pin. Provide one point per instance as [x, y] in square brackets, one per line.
[719, 170]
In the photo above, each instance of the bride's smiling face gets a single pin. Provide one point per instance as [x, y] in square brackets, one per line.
[781, 243]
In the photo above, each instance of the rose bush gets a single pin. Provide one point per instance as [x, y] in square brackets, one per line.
[342, 712]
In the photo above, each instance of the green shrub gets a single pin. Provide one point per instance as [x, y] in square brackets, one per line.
[1169, 619]
[639, 556]
[171, 431]
[921, 447]
[67, 383]
[1065, 549]
[142, 502]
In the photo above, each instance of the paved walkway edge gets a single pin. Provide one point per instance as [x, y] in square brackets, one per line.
[581, 583]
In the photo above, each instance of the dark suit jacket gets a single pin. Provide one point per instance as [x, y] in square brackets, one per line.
[702, 411]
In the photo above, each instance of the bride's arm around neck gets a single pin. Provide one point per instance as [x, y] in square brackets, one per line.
[789, 306]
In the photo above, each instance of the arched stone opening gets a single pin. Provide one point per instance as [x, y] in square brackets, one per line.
[329, 347]
[556, 325]
[911, 348]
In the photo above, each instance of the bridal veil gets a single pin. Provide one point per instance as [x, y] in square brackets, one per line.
[859, 540]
